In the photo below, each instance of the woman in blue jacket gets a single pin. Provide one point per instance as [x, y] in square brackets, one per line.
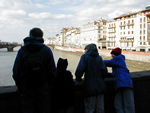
[92, 67]
[124, 99]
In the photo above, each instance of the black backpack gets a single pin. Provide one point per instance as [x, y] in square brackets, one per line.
[33, 73]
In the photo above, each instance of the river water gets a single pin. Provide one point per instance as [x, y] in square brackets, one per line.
[7, 61]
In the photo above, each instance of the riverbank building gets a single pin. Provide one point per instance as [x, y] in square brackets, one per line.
[130, 31]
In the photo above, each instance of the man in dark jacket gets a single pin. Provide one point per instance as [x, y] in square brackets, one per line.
[91, 65]
[33, 70]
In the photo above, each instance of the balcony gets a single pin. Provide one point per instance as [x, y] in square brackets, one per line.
[101, 39]
[112, 37]
[111, 32]
[130, 24]
[112, 27]
[127, 40]
[110, 41]
[122, 25]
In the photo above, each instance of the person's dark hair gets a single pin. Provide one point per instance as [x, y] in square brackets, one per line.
[36, 32]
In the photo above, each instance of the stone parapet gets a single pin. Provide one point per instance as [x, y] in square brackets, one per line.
[9, 100]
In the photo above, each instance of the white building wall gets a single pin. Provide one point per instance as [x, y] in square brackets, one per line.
[137, 31]
[133, 37]
[117, 34]
[89, 34]
[72, 38]
[59, 39]
[111, 35]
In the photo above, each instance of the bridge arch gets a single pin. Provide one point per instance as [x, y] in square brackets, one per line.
[9, 46]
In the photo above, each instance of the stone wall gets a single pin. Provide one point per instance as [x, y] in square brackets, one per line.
[130, 55]
[141, 81]
[9, 98]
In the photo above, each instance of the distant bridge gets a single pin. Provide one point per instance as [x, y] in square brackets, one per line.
[9, 46]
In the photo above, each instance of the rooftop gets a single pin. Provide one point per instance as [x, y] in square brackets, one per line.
[147, 9]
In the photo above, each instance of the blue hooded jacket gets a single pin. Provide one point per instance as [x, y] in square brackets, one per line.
[120, 71]
[92, 67]
[35, 44]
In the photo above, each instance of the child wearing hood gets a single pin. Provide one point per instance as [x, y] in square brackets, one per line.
[63, 88]
[92, 67]
[124, 99]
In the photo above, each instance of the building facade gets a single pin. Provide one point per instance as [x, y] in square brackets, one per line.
[72, 37]
[130, 31]
[94, 32]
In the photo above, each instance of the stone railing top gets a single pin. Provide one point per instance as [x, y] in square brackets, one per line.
[11, 89]
[7, 89]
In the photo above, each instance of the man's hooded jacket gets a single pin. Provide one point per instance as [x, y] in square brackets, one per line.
[34, 44]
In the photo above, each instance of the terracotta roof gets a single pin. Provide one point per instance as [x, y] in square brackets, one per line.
[129, 14]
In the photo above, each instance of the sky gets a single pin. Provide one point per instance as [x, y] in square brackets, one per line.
[17, 17]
